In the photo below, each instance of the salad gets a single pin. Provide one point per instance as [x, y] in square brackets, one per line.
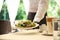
[25, 24]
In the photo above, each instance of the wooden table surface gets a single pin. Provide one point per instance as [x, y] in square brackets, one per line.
[31, 36]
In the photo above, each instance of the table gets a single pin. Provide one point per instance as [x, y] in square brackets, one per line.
[18, 36]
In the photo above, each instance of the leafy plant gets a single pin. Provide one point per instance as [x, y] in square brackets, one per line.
[59, 12]
[21, 14]
[52, 9]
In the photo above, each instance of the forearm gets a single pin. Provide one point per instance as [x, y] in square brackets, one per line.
[42, 8]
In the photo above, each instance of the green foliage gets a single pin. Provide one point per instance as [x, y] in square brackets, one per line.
[58, 13]
[53, 9]
[4, 10]
[21, 14]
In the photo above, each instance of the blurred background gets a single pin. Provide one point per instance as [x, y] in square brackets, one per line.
[53, 11]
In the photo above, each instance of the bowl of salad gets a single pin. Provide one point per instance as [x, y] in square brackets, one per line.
[25, 24]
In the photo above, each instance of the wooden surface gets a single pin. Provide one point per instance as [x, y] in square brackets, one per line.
[20, 36]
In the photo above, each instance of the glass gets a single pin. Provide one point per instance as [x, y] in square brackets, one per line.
[56, 28]
[49, 25]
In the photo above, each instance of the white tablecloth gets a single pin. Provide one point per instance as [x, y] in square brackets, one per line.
[19, 36]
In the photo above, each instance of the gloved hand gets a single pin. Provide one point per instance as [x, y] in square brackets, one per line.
[36, 22]
[37, 26]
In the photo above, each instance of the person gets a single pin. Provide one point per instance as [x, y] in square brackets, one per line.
[38, 11]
